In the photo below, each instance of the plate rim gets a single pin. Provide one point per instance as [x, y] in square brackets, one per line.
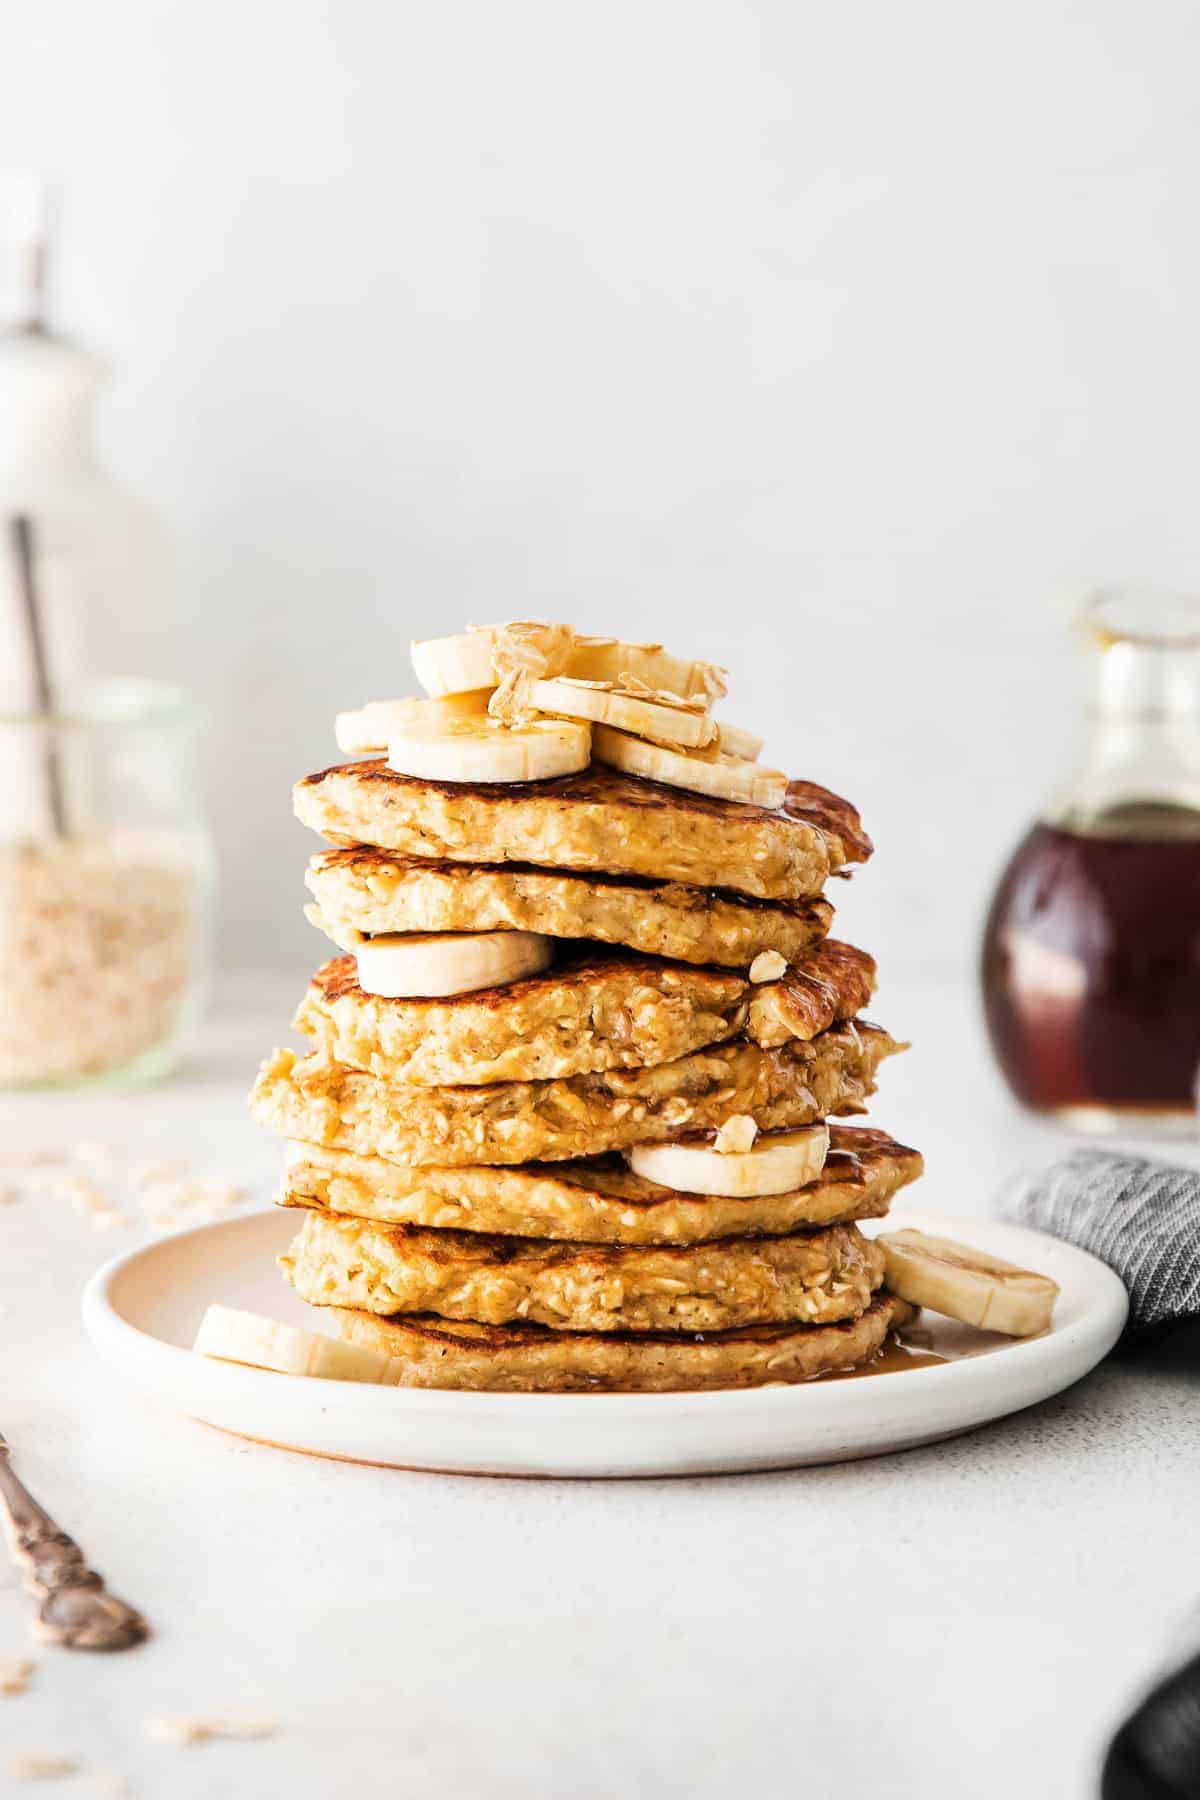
[111, 1333]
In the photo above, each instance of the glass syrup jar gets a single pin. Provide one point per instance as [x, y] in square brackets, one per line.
[1091, 953]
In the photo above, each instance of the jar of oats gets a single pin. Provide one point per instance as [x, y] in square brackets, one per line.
[106, 871]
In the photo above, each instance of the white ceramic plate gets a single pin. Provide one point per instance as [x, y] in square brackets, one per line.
[141, 1312]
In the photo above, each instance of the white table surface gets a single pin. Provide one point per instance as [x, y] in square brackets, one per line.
[968, 1619]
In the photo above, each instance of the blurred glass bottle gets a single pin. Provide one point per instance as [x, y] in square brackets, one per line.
[105, 864]
[104, 562]
[1091, 955]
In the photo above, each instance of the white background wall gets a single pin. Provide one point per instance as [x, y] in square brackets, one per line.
[836, 342]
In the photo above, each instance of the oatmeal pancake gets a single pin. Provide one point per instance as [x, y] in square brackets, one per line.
[510, 1122]
[599, 1200]
[589, 1012]
[523, 1359]
[596, 819]
[363, 892]
[809, 1277]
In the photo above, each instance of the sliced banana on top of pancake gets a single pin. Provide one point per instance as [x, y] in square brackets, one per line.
[455, 665]
[645, 665]
[660, 717]
[433, 965]
[488, 655]
[485, 655]
[778, 1162]
[367, 730]
[708, 771]
[967, 1284]
[734, 740]
[474, 749]
[231, 1335]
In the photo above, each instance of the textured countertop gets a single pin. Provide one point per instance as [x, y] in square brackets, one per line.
[966, 1619]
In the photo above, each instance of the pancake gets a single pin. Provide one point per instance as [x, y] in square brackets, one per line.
[587, 1014]
[582, 1115]
[598, 1201]
[597, 819]
[810, 1277]
[364, 892]
[523, 1359]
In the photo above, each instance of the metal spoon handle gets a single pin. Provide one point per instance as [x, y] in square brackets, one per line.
[76, 1609]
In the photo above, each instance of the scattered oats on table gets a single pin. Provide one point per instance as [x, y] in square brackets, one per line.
[193, 1728]
[100, 1158]
[15, 1674]
[104, 1218]
[95, 1178]
[35, 1767]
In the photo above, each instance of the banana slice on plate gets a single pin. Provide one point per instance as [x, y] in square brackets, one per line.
[662, 719]
[367, 731]
[708, 771]
[484, 750]
[967, 1284]
[242, 1337]
[433, 965]
[778, 1163]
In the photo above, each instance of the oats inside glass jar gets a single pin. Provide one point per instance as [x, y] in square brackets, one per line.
[98, 952]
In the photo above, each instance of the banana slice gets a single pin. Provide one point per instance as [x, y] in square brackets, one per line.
[243, 1337]
[732, 740]
[967, 1284]
[367, 731]
[455, 665]
[646, 665]
[662, 719]
[779, 1162]
[701, 771]
[485, 655]
[432, 965]
[485, 750]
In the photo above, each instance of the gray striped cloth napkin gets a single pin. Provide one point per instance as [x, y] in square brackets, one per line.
[1143, 1219]
[1140, 1217]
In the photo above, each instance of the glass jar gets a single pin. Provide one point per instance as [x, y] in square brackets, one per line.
[106, 874]
[91, 540]
[1091, 956]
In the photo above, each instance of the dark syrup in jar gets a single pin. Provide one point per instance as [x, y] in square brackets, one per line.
[1091, 964]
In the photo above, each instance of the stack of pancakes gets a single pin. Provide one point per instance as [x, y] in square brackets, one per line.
[461, 1162]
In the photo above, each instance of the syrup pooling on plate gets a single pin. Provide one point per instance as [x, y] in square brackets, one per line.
[931, 1344]
[895, 1358]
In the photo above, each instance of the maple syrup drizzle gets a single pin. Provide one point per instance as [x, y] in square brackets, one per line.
[892, 1358]
[924, 1345]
